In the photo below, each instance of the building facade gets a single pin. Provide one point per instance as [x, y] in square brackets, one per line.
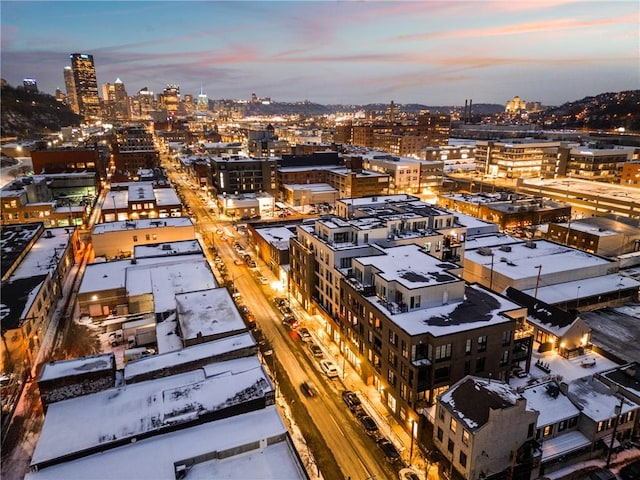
[85, 86]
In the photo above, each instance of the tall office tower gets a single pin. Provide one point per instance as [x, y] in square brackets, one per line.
[144, 102]
[116, 100]
[70, 87]
[30, 85]
[171, 98]
[203, 101]
[86, 85]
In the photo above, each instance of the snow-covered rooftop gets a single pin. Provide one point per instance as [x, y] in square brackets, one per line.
[155, 457]
[313, 187]
[563, 444]
[471, 399]
[109, 275]
[181, 247]
[166, 196]
[101, 228]
[141, 408]
[77, 366]
[524, 262]
[208, 313]
[587, 287]
[166, 280]
[44, 255]
[409, 266]
[140, 191]
[276, 236]
[202, 351]
[552, 405]
[596, 400]
[480, 308]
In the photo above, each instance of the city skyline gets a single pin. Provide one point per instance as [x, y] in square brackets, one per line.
[435, 53]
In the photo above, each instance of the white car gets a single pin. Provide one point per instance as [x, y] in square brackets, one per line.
[329, 368]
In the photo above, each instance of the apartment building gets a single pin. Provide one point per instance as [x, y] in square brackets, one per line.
[237, 174]
[57, 200]
[35, 264]
[139, 200]
[484, 427]
[388, 220]
[133, 149]
[407, 175]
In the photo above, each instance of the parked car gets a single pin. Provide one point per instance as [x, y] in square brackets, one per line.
[329, 368]
[309, 389]
[351, 399]
[281, 301]
[262, 279]
[369, 425]
[251, 264]
[316, 351]
[304, 334]
[631, 471]
[408, 474]
[286, 310]
[389, 450]
[238, 262]
[290, 322]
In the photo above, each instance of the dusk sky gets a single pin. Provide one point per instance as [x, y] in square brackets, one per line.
[434, 53]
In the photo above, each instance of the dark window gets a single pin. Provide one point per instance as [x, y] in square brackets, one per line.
[440, 434]
[482, 343]
[463, 459]
[480, 365]
[450, 446]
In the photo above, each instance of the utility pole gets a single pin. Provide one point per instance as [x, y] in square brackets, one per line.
[618, 410]
[539, 267]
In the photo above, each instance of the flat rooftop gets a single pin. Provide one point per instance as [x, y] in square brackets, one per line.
[100, 419]
[480, 308]
[107, 227]
[523, 262]
[207, 313]
[166, 280]
[155, 457]
[77, 366]
[276, 236]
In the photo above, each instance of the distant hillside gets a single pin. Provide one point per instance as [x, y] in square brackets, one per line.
[28, 114]
[310, 108]
[606, 111]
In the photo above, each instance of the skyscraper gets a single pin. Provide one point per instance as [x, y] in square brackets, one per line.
[115, 101]
[203, 101]
[86, 86]
[30, 85]
[70, 87]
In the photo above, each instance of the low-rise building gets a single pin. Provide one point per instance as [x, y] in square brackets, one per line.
[139, 200]
[509, 211]
[118, 239]
[35, 264]
[484, 427]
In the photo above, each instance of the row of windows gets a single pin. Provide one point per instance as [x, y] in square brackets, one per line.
[608, 424]
[147, 237]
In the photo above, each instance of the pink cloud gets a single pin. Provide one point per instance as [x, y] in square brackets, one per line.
[517, 29]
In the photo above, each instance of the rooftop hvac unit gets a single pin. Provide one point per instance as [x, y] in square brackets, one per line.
[486, 251]
[505, 248]
[530, 244]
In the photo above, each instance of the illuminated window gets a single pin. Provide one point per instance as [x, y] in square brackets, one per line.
[453, 425]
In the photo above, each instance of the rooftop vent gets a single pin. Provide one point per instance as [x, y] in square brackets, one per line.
[166, 246]
[505, 248]
[486, 251]
[530, 244]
